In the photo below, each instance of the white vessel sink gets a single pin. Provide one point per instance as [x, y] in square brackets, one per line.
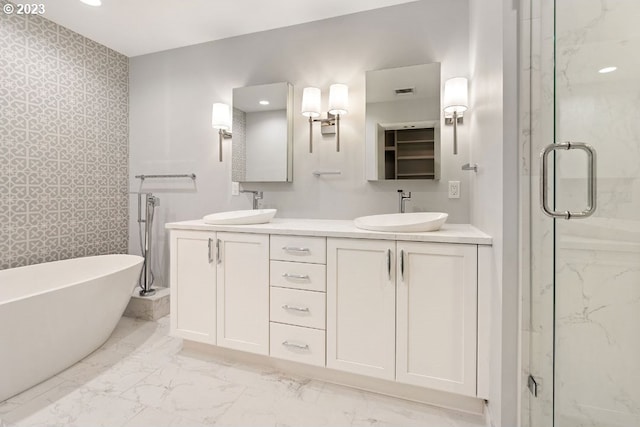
[402, 222]
[249, 216]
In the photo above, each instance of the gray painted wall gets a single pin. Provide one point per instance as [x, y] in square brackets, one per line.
[64, 142]
[494, 189]
[172, 93]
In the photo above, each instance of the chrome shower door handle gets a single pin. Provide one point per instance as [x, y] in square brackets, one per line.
[591, 180]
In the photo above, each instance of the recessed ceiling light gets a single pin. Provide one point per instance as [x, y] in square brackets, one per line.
[264, 102]
[92, 2]
[607, 70]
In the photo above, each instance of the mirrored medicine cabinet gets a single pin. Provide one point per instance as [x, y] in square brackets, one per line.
[402, 134]
[263, 133]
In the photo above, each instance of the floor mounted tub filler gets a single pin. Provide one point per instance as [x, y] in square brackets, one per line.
[54, 314]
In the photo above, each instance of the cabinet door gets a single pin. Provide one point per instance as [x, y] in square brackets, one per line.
[243, 292]
[361, 300]
[193, 285]
[437, 316]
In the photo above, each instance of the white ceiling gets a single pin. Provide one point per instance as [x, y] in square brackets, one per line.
[138, 27]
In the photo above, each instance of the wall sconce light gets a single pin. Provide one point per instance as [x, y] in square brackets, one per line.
[338, 106]
[456, 101]
[221, 120]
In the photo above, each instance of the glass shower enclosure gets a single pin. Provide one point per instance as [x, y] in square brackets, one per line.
[584, 298]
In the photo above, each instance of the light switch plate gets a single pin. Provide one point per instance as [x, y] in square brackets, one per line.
[454, 189]
[235, 188]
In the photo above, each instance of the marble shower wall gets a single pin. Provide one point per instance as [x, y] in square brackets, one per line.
[64, 144]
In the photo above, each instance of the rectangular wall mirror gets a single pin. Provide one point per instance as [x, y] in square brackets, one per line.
[402, 135]
[263, 133]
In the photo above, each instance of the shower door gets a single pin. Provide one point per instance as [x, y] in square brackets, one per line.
[585, 277]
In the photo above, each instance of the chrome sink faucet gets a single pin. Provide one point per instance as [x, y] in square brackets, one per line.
[256, 195]
[403, 197]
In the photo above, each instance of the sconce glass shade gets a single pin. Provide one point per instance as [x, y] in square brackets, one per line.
[338, 99]
[456, 95]
[220, 116]
[311, 102]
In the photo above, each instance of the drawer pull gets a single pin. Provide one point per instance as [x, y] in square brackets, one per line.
[295, 249]
[389, 264]
[293, 308]
[296, 276]
[296, 346]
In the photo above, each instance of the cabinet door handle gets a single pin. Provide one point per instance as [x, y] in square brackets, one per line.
[295, 249]
[402, 264]
[295, 276]
[296, 346]
[294, 308]
[389, 264]
[209, 253]
[218, 257]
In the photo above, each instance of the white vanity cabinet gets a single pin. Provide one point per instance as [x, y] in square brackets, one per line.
[193, 285]
[361, 306]
[406, 314]
[243, 291]
[436, 316]
[403, 311]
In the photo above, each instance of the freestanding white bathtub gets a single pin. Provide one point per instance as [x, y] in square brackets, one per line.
[56, 313]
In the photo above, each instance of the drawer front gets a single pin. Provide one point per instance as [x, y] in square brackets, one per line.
[295, 307]
[298, 344]
[299, 248]
[298, 275]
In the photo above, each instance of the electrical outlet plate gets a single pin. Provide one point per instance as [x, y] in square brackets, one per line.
[235, 188]
[454, 189]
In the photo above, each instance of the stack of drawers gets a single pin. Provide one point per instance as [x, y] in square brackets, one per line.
[298, 298]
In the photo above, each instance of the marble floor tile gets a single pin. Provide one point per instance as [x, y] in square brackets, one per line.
[34, 391]
[258, 407]
[5, 408]
[141, 377]
[152, 417]
[384, 410]
[273, 382]
[84, 408]
[32, 407]
[119, 377]
[193, 394]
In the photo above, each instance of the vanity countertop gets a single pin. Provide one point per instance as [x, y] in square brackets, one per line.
[449, 233]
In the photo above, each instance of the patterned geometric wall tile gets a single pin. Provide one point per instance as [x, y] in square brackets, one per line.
[64, 144]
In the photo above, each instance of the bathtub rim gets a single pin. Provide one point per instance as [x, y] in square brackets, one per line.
[136, 261]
